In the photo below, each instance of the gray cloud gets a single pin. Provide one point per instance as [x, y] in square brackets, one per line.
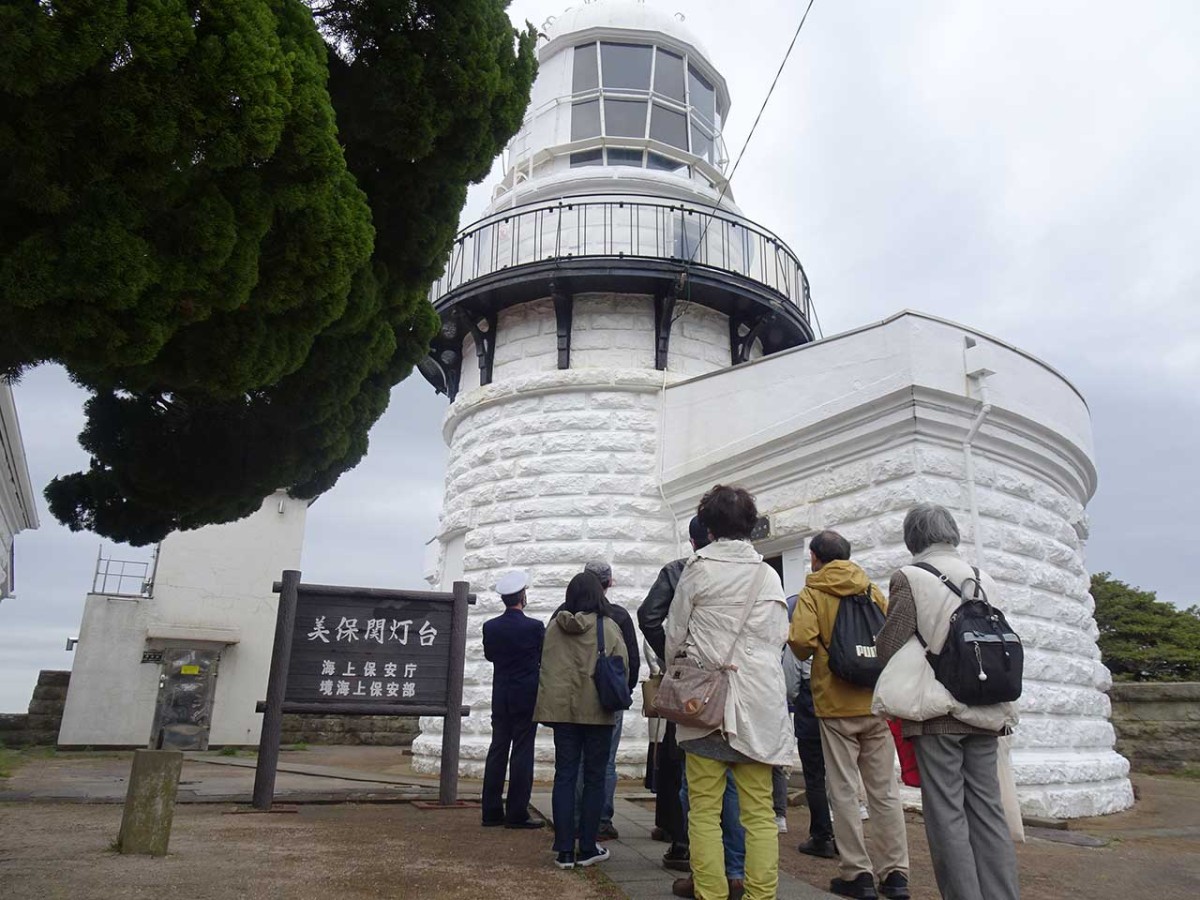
[1024, 168]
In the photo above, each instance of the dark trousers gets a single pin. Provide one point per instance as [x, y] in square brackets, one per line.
[812, 759]
[573, 743]
[668, 810]
[517, 733]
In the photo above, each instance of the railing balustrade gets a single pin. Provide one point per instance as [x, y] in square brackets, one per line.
[608, 226]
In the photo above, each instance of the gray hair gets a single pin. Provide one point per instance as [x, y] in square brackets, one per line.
[601, 570]
[927, 524]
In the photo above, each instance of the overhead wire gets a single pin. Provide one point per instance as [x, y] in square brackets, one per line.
[737, 162]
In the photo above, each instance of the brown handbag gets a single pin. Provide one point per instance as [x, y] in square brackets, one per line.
[694, 696]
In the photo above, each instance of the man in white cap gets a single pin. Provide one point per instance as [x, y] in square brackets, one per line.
[512, 642]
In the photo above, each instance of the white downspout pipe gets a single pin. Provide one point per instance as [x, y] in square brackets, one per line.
[985, 407]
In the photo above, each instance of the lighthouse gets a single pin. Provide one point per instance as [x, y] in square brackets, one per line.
[618, 336]
[611, 262]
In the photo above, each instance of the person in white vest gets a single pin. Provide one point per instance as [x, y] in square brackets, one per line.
[969, 840]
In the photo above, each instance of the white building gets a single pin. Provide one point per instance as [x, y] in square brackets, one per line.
[177, 652]
[613, 346]
[18, 508]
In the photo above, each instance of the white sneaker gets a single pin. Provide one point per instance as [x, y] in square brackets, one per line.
[781, 823]
[863, 813]
[601, 855]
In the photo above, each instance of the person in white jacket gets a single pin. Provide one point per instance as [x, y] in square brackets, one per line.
[756, 733]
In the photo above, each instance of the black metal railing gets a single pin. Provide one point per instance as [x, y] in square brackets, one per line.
[626, 227]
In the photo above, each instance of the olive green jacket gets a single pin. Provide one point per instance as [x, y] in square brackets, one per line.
[566, 691]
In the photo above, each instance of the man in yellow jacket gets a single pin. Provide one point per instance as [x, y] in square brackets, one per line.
[854, 741]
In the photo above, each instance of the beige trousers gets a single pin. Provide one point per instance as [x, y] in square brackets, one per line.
[863, 745]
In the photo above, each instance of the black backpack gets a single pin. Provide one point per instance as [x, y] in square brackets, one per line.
[851, 649]
[982, 660]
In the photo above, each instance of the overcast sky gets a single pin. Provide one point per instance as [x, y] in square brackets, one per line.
[1027, 168]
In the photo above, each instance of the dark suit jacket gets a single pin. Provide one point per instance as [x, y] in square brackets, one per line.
[652, 614]
[512, 642]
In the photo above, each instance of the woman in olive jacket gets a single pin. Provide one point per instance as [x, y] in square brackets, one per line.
[569, 703]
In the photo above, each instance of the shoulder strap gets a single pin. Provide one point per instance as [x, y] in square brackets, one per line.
[599, 634]
[933, 570]
[755, 587]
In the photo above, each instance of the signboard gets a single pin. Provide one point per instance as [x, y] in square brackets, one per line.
[367, 652]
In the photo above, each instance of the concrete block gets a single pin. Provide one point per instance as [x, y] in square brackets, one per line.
[150, 802]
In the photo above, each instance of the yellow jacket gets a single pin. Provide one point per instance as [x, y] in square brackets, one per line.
[812, 627]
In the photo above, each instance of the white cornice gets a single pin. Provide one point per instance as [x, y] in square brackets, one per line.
[898, 419]
[13, 467]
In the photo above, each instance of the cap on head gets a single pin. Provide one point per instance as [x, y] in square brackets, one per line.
[601, 570]
[512, 583]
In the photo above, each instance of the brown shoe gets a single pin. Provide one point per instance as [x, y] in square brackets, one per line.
[737, 887]
[684, 887]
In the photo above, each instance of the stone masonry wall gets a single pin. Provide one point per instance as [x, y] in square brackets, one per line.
[1158, 725]
[1033, 538]
[551, 468]
[39, 726]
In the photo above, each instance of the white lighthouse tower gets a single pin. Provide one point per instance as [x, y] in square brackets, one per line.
[602, 272]
[617, 337]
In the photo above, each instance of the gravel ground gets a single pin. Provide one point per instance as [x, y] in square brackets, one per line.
[50, 850]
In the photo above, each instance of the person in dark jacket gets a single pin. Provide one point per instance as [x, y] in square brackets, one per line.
[668, 809]
[512, 642]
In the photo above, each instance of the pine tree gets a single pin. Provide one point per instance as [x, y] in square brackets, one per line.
[1142, 638]
[223, 217]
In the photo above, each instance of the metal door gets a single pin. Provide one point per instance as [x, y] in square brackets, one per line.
[185, 699]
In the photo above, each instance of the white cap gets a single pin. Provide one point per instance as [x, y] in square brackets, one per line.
[512, 583]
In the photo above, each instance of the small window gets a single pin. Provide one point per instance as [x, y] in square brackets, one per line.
[585, 120]
[702, 144]
[586, 158]
[702, 96]
[585, 77]
[624, 118]
[668, 74]
[620, 157]
[626, 66]
[665, 164]
[668, 126]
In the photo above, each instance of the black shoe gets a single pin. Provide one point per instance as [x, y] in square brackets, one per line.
[600, 855]
[895, 885]
[492, 823]
[565, 860]
[862, 887]
[678, 859]
[528, 823]
[606, 832]
[822, 847]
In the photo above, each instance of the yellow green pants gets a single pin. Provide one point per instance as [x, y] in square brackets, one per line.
[706, 787]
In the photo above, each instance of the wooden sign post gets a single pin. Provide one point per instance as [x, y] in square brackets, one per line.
[349, 651]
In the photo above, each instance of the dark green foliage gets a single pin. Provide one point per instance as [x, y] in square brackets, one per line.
[1142, 638]
[239, 278]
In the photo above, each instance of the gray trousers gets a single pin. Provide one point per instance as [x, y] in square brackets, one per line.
[972, 851]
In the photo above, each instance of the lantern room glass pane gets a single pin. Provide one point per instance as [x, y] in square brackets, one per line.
[585, 77]
[585, 120]
[668, 74]
[664, 164]
[626, 66]
[624, 118]
[702, 144]
[623, 157]
[587, 158]
[668, 126]
[703, 98]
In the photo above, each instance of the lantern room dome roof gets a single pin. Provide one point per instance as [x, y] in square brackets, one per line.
[618, 15]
